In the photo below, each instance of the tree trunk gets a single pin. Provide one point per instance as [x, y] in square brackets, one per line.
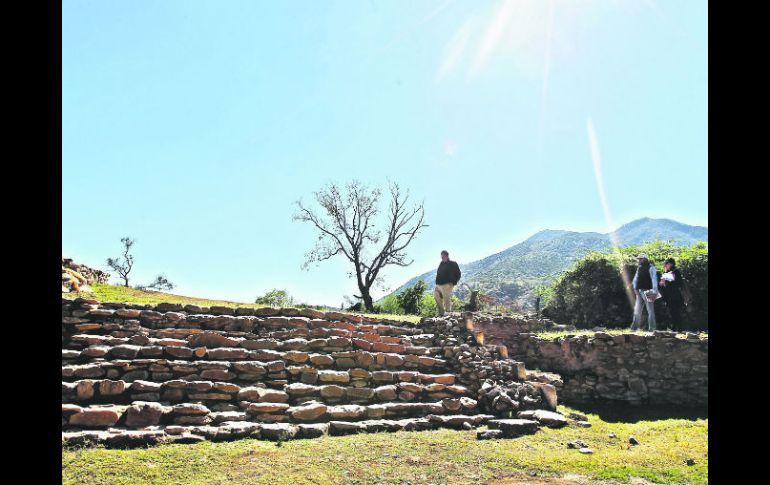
[368, 304]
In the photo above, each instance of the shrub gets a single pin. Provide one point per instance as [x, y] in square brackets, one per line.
[275, 298]
[390, 304]
[428, 306]
[409, 299]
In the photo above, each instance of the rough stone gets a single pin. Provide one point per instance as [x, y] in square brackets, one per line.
[278, 431]
[489, 434]
[386, 393]
[267, 407]
[512, 428]
[141, 414]
[190, 409]
[95, 418]
[337, 428]
[347, 411]
[546, 418]
[307, 412]
[259, 394]
[312, 430]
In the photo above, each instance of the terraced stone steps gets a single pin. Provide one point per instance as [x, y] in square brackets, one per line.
[112, 319]
[171, 373]
[140, 414]
[128, 327]
[416, 357]
[272, 340]
[179, 390]
[232, 430]
[368, 369]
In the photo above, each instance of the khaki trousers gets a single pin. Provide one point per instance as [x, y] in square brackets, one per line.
[443, 295]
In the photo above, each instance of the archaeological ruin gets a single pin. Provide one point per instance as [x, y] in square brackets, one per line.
[134, 375]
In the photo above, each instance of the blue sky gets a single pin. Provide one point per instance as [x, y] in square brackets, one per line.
[193, 126]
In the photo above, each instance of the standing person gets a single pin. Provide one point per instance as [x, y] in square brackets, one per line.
[645, 279]
[447, 276]
[671, 291]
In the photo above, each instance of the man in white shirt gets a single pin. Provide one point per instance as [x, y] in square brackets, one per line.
[645, 279]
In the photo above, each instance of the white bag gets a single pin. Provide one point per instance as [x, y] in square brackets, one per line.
[651, 295]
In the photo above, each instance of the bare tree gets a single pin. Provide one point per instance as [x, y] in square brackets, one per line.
[346, 224]
[123, 266]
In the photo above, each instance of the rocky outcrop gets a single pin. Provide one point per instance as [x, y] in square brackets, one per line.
[76, 277]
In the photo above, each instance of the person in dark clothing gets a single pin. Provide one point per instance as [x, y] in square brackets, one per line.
[645, 280]
[447, 276]
[671, 291]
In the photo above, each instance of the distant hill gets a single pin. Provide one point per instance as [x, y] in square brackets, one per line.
[513, 273]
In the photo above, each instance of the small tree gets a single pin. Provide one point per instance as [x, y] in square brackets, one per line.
[409, 299]
[160, 283]
[275, 298]
[123, 265]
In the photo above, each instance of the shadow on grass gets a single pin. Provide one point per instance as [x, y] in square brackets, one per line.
[613, 412]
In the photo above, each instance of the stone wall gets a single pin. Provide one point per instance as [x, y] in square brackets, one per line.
[656, 368]
[502, 327]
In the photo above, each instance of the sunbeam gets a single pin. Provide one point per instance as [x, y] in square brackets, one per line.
[493, 34]
[598, 174]
[546, 74]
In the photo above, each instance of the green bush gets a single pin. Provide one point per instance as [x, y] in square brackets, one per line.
[390, 305]
[428, 306]
[593, 291]
[409, 299]
[275, 298]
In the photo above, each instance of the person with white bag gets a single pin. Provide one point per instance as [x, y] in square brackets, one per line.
[646, 288]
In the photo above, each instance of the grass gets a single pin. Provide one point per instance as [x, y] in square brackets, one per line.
[398, 317]
[442, 456]
[122, 294]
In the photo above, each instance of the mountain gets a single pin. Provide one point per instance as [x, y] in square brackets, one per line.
[512, 274]
[646, 229]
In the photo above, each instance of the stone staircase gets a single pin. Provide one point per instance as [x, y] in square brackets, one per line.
[134, 375]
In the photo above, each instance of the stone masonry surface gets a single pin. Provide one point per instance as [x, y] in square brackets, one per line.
[657, 368]
[134, 375]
